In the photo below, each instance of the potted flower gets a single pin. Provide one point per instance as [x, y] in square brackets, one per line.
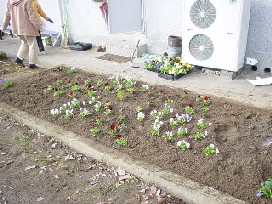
[153, 64]
[173, 68]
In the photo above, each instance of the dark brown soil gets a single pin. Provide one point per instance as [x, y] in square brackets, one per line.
[114, 58]
[241, 133]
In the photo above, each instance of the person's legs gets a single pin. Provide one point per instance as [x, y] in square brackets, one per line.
[23, 50]
[33, 51]
[40, 43]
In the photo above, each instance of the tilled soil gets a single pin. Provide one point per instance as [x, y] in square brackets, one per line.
[241, 133]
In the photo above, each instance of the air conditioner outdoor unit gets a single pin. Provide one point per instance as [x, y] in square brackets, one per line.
[215, 33]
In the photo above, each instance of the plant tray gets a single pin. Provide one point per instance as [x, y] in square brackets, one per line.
[153, 70]
[80, 46]
[170, 76]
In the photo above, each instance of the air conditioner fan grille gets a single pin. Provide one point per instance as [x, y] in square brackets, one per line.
[201, 47]
[203, 13]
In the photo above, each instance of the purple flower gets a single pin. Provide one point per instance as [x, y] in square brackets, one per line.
[259, 194]
[3, 81]
[75, 69]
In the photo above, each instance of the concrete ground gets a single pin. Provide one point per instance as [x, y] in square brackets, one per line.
[238, 89]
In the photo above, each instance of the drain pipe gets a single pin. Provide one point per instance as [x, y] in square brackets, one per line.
[60, 7]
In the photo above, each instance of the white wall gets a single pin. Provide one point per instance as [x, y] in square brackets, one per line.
[162, 18]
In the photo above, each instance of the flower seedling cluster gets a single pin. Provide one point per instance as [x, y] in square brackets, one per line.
[266, 189]
[6, 83]
[211, 149]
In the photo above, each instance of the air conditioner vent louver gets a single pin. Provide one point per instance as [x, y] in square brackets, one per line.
[201, 47]
[203, 13]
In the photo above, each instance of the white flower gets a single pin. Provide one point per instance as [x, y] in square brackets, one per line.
[55, 111]
[212, 145]
[168, 133]
[145, 86]
[83, 103]
[153, 112]
[183, 142]
[140, 115]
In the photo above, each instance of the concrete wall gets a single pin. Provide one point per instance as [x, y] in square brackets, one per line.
[259, 44]
[162, 18]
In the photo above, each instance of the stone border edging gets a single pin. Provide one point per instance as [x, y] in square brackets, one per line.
[178, 186]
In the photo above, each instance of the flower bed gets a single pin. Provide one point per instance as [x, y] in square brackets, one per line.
[210, 140]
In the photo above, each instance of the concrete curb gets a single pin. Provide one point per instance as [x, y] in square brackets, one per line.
[187, 190]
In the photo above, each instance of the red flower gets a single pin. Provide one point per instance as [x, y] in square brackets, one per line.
[190, 105]
[56, 89]
[110, 107]
[119, 136]
[69, 81]
[71, 93]
[106, 84]
[206, 98]
[112, 126]
[120, 123]
[161, 91]
[94, 126]
[89, 87]
[169, 97]
[76, 83]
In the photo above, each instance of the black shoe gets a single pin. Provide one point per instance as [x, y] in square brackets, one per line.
[33, 66]
[19, 62]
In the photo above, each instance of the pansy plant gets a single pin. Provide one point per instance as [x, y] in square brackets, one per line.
[83, 112]
[200, 135]
[95, 130]
[169, 99]
[202, 124]
[121, 140]
[182, 132]
[183, 145]
[144, 88]
[183, 118]
[75, 87]
[173, 122]
[266, 189]
[6, 83]
[211, 149]
[189, 109]
[72, 70]
[140, 116]
[108, 110]
[169, 136]
[121, 126]
[98, 120]
[75, 103]
[167, 109]
[112, 130]
[69, 114]
[155, 130]
[57, 92]
[97, 106]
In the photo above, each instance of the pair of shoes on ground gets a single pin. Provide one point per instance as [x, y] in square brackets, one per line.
[42, 52]
[21, 63]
